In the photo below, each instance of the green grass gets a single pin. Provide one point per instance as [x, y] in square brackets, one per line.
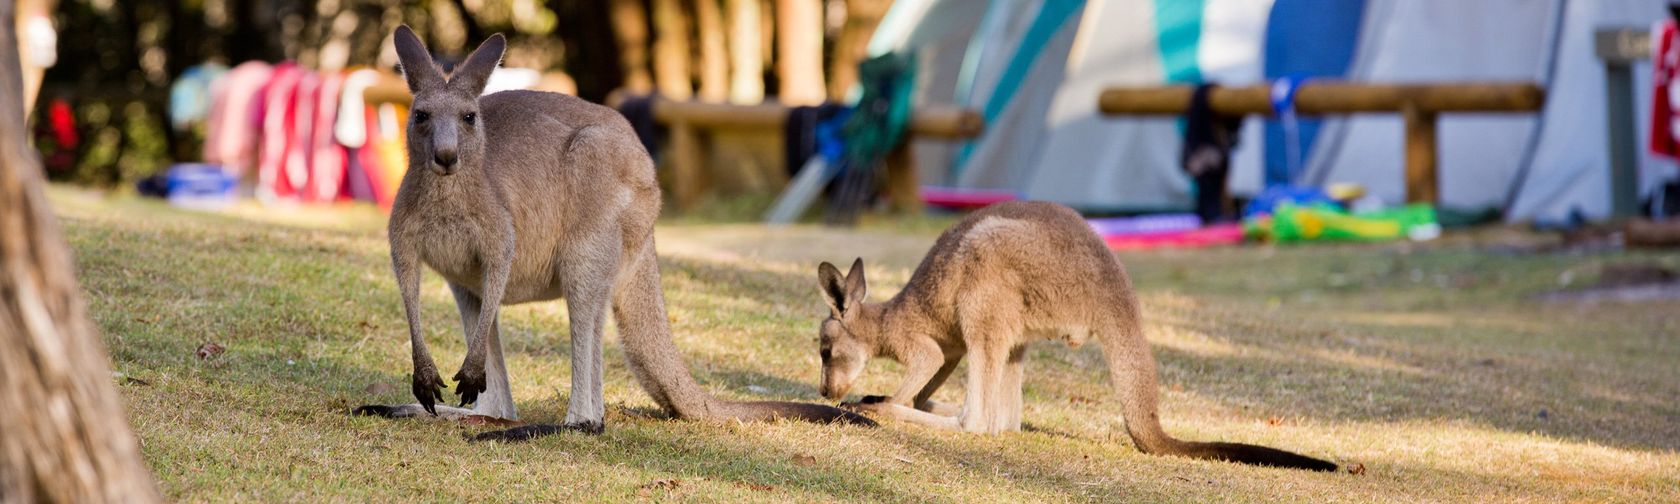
[1430, 365]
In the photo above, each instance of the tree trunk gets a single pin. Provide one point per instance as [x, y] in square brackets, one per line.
[799, 51]
[714, 58]
[670, 50]
[746, 57]
[629, 22]
[64, 436]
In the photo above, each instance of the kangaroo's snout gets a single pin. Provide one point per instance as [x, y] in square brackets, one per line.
[829, 389]
[443, 162]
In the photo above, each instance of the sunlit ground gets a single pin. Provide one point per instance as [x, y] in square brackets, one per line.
[1435, 367]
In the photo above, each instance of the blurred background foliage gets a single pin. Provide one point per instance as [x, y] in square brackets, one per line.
[117, 58]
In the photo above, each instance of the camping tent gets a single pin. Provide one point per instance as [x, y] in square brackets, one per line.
[1034, 69]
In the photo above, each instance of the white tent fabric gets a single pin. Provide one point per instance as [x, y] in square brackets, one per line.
[1050, 142]
[1003, 157]
[1571, 167]
[1440, 40]
[1093, 162]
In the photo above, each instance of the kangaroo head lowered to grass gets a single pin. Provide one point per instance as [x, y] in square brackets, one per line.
[1006, 275]
[524, 196]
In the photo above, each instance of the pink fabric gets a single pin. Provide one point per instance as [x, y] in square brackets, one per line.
[1222, 234]
[234, 118]
[964, 198]
[300, 151]
[278, 126]
[328, 165]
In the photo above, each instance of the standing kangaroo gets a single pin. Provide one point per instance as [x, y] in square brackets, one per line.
[524, 196]
[1006, 275]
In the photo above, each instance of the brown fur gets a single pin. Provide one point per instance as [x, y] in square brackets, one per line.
[524, 196]
[1005, 276]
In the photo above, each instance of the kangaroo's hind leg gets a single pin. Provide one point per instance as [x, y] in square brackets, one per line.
[589, 293]
[990, 334]
[1009, 396]
[497, 399]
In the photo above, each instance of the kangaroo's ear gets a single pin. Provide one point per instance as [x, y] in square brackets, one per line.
[832, 287]
[472, 75]
[417, 65]
[856, 288]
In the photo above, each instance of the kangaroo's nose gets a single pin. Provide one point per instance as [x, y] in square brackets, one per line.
[445, 159]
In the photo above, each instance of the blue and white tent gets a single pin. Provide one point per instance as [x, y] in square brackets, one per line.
[1035, 67]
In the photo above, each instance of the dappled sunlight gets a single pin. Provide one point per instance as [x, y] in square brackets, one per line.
[1354, 359]
[1483, 321]
[1439, 402]
[1192, 342]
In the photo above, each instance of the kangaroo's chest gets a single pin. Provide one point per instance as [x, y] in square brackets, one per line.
[452, 246]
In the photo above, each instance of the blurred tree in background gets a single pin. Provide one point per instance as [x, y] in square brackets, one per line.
[117, 58]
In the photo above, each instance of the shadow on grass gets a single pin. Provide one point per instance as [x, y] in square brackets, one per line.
[1304, 369]
[323, 303]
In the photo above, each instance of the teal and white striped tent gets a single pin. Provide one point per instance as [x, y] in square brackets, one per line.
[1035, 67]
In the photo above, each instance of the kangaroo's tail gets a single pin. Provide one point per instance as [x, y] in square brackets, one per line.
[1132, 369]
[639, 309]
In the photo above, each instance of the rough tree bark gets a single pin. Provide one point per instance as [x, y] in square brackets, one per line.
[64, 436]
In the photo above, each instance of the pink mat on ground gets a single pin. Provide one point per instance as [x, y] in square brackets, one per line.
[964, 198]
[1222, 234]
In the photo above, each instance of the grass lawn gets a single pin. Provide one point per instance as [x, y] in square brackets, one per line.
[1435, 367]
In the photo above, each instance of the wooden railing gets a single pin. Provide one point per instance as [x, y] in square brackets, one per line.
[685, 120]
[1419, 104]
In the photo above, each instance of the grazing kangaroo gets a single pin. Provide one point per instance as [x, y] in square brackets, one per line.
[1006, 275]
[524, 196]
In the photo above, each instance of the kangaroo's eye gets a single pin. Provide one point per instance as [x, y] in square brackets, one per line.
[421, 117]
[470, 118]
[825, 354]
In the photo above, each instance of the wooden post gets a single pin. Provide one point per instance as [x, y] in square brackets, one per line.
[714, 56]
[799, 51]
[670, 50]
[629, 23]
[1620, 49]
[1422, 181]
[746, 53]
[684, 160]
[903, 189]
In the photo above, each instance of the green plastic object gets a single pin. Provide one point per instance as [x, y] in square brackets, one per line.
[1294, 223]
[877, 125]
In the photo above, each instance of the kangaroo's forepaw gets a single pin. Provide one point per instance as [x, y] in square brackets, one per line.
[873, 399]
[533, 431]
[469, 384]
[428, 388]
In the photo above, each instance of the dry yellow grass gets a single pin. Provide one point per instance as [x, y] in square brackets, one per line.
[1433, 366]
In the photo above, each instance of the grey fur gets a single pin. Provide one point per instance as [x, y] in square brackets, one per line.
[523, 196]
[1005, 276]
